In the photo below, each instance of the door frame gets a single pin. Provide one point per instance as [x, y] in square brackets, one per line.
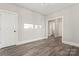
[53, 19]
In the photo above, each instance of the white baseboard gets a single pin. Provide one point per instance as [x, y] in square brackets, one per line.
[23, 42]
[71, 43]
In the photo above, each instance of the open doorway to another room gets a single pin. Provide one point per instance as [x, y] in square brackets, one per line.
[55, 27]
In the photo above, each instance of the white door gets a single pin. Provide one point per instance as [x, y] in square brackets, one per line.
[9, 29]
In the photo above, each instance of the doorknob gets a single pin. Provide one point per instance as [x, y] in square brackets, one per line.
[14, 30]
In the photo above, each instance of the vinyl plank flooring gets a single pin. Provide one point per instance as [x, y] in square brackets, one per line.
[46, 47]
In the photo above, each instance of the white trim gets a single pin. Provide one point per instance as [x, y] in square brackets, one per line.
[71, 43]
[25, 41]
[52, 18]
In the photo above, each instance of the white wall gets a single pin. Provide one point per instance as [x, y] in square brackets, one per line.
[70, 23]
[60, 28]
[27, 17]
[0, 29]
[50, 29]
[34, 19]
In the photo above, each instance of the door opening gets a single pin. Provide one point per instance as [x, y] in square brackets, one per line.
[55, 27]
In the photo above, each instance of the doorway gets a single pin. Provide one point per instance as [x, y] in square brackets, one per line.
[55, 27]
[51, 29]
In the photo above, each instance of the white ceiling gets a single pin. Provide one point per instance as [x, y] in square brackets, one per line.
[45, 8]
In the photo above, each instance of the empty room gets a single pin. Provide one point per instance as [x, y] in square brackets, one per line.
[39, 29]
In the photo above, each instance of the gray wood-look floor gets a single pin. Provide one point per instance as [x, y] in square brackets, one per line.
[45, 47]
